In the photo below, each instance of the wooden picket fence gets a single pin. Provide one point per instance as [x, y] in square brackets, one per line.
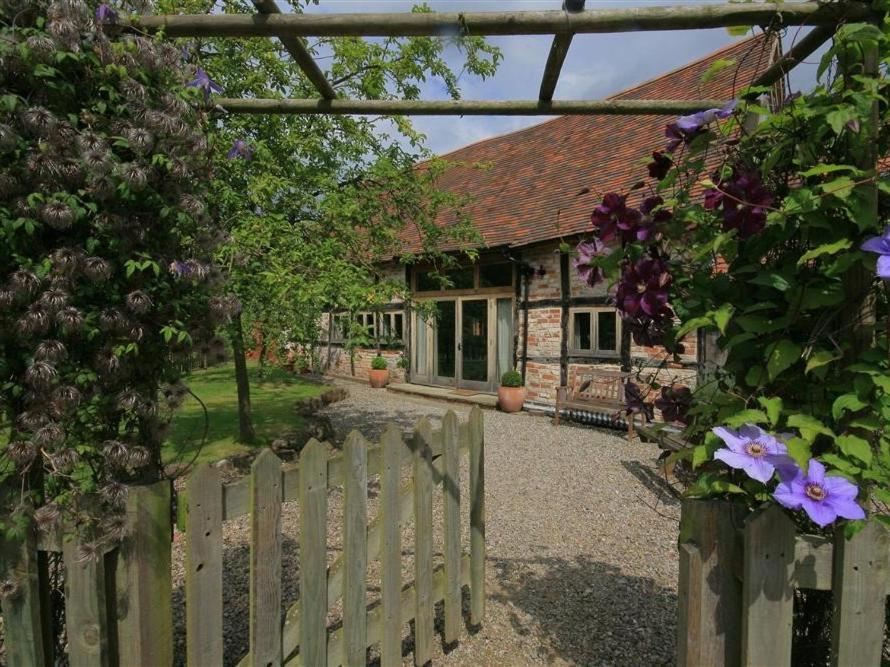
[118, 608]
[738, 574]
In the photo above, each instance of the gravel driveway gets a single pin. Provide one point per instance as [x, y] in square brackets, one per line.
[582, 562]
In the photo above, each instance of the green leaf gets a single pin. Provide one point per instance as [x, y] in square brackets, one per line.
[747, 417]
[773, 407]
[840, 187]
[852, 445]
[783, 355]
[809, 427]
[771, 280]
[822, 169]
[755, 376]
[693, 324]
[825, 249]
[722, 316]
[820, 358]
[838, 118]
[844, 403]
[716, 67]
[799, 450]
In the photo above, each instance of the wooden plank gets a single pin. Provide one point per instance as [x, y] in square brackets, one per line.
[265, 560]
[355, 549]
[204, 568]
[403, 24]
[859, 587]
[813, 562]
[767, 588]
[451, 504]
[710, 626]
[25, 633]
[465, 107]
[391, 548]
[313, 554]
[143, 581]
[559, 49]
[86, 610]
[423, 542]
[376, 617]
[477, 516]
[795, 55]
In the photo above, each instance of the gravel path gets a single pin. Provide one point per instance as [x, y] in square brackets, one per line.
[582, 563]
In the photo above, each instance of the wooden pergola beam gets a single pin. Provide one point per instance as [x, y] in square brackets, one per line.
[466, 107]
[559, 49]
[796, 55]
[444, 24]
[298, 51]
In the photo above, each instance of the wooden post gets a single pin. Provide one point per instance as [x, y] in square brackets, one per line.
[203, 568]
[143, 581]
[768, 588]
[451, 503]
[565, 296]
[313, 554]
[355, 546]
[265, 560]
[86, 609]
[710, 594]
[391, 548]
[26, 635]
[423, 542]
[859, 586]
[477, 516]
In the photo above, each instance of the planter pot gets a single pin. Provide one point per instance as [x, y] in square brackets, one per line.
[510, 399]
[378, 379]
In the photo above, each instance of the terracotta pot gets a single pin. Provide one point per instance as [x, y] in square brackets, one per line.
[510, 399]
[378, 379]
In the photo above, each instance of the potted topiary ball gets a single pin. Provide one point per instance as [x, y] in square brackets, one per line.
[379, 373]
[511, 393]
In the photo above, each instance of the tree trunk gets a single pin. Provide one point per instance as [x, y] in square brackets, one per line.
[245, 422]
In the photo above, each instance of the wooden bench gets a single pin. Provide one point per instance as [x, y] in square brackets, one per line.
[596, 391]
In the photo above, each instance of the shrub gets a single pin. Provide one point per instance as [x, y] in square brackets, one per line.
[379, 363]
[511, 379]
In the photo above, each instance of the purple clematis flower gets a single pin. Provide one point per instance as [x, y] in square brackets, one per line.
[674, 403]
[203, 82]
[106, 15]
[745, 202]
[240, 149]
[823, 497]
[635, 401]
[881, 246]
[751, 449]
[660, 166]
[587, 252]
[694, 122]
[643, 290]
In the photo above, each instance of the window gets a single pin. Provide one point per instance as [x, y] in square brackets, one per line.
[368, 321]
[496, 275]
[389, 328]
[595, 331]
[481, 276]
[393, 325]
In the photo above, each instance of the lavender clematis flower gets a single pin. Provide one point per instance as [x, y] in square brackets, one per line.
[881, 246]
[203, 82]
[106, 15]
[587, 252]
[823, 497]
[240, 149]
[751, 449]
[694, 122]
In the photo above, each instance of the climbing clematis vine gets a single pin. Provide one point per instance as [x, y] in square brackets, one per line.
[203, 82]
[587, 252]
[881, 246]
[694, 122]
[752, 450]
[823, 497]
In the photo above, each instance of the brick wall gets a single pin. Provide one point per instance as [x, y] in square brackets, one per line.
[340, 366]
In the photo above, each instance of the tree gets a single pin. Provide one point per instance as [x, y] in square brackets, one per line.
[312, 203]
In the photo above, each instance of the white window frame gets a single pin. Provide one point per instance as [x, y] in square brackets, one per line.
[595, 350]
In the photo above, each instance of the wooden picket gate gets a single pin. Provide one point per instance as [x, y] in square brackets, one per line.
[738, 574]
[118, 608]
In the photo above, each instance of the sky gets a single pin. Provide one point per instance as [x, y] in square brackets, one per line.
[597, 65]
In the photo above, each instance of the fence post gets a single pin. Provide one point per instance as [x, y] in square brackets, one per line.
[767, 588]
[709, 590]
[313, 554]
[476, 431]
[451, 502]
[391, 548]
[355, 544]
[421, 447]
[265, 560]
[26, 635]
[86, 609]
[143, 605]
[859, 584]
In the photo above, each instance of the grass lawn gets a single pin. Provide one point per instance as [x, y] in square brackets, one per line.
[272, 401]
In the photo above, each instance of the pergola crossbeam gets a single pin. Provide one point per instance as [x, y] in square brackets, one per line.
[300, 54]
[467, 107]
[443, 24]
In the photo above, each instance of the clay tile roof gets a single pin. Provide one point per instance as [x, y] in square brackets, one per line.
[531, 189]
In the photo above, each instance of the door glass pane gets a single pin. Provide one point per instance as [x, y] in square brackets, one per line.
[398, 327]
[445, 338]
[581, 331]
[421, 360]
[607, 325]
[505, 336]
[474, 340]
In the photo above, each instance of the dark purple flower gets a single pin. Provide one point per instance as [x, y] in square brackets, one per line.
[635, 401]
[674, 403]
[203, 82]
[751, 449]
[744, 200]
[881, 246]
[823, 497]
[105, 15]
[660, 166]
[643, 289]
[614, 219]
[588, 251]
[240, 149]
[694, 122]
